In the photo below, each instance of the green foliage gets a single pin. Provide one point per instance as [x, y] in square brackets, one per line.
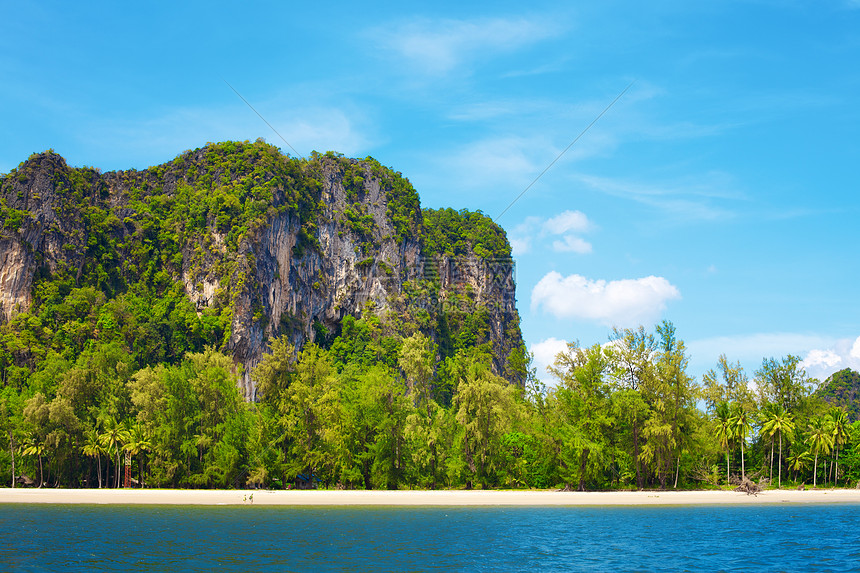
[842, 389]
[448, 232]
[112, 356]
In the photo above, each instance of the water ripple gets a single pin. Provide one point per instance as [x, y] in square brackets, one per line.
[772, 538]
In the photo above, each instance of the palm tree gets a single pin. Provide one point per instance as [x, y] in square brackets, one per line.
[741, 423]
[776, 420]
[724, 431]
[839, 423]
[92, 448]
[820, 440]
[763, 416]
[138, 443]
[34, 447]
[798, 461]
[114, 438]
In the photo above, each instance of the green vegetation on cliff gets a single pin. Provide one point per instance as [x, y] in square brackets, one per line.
[843, 389]
[462, 233]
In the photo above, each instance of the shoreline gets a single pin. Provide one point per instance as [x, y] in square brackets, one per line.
[413, 498]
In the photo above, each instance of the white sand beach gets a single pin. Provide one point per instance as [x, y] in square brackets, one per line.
[419, 498]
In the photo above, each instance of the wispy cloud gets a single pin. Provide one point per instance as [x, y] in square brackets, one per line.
[437, 47]
[625, 303]
[572, 244]
[687, 200]
[160, 137]
[501, 166]
[547, 68]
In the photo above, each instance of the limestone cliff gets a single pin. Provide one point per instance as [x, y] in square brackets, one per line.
[267, 243]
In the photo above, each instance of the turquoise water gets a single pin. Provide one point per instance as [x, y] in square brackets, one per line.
[246, 538]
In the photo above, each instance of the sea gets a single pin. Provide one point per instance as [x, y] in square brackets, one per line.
[247, 538]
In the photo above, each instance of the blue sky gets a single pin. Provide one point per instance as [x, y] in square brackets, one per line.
[720, 192]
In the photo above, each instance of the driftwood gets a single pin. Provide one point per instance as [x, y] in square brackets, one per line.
[749, 487]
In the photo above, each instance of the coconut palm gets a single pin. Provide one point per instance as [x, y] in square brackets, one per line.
[724, 430]
[798, 461]
[139, 442]
[33, 447]
[839, 422]
[762, 416]
[776, 420]
[741, 423]
[114, 437]
[93, 448]
[820, 440]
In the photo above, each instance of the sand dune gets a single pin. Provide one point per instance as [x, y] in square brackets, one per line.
[419, 498]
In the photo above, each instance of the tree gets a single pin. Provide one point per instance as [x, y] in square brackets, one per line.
[34, 447]
[584, 402]
[275, 371]
[416, 361]
[670, 394]
[37, 415]
[785, 383]
[304, 399]
[8, 426]
[798, 461]
[113, 438]
[634, 350]
[93, 449]
[733, 388]
[839, 423]
[486, 408]
[741, 423]
[820, 440]
[776, 421]
[724, 430]
[139, 443]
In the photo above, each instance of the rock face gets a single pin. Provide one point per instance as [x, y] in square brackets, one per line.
[277, 245]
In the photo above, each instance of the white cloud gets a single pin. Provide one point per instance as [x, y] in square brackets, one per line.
[520, 245]
[825, 359]
[855, 349]
[572, 243]
[821, 359]
[624, 303]
[821, 355]
[436, 47]
[535, 228]
[567, 221]
[545, 352]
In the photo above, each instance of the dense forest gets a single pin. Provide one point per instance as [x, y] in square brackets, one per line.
[371, 410]
[119, 360]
